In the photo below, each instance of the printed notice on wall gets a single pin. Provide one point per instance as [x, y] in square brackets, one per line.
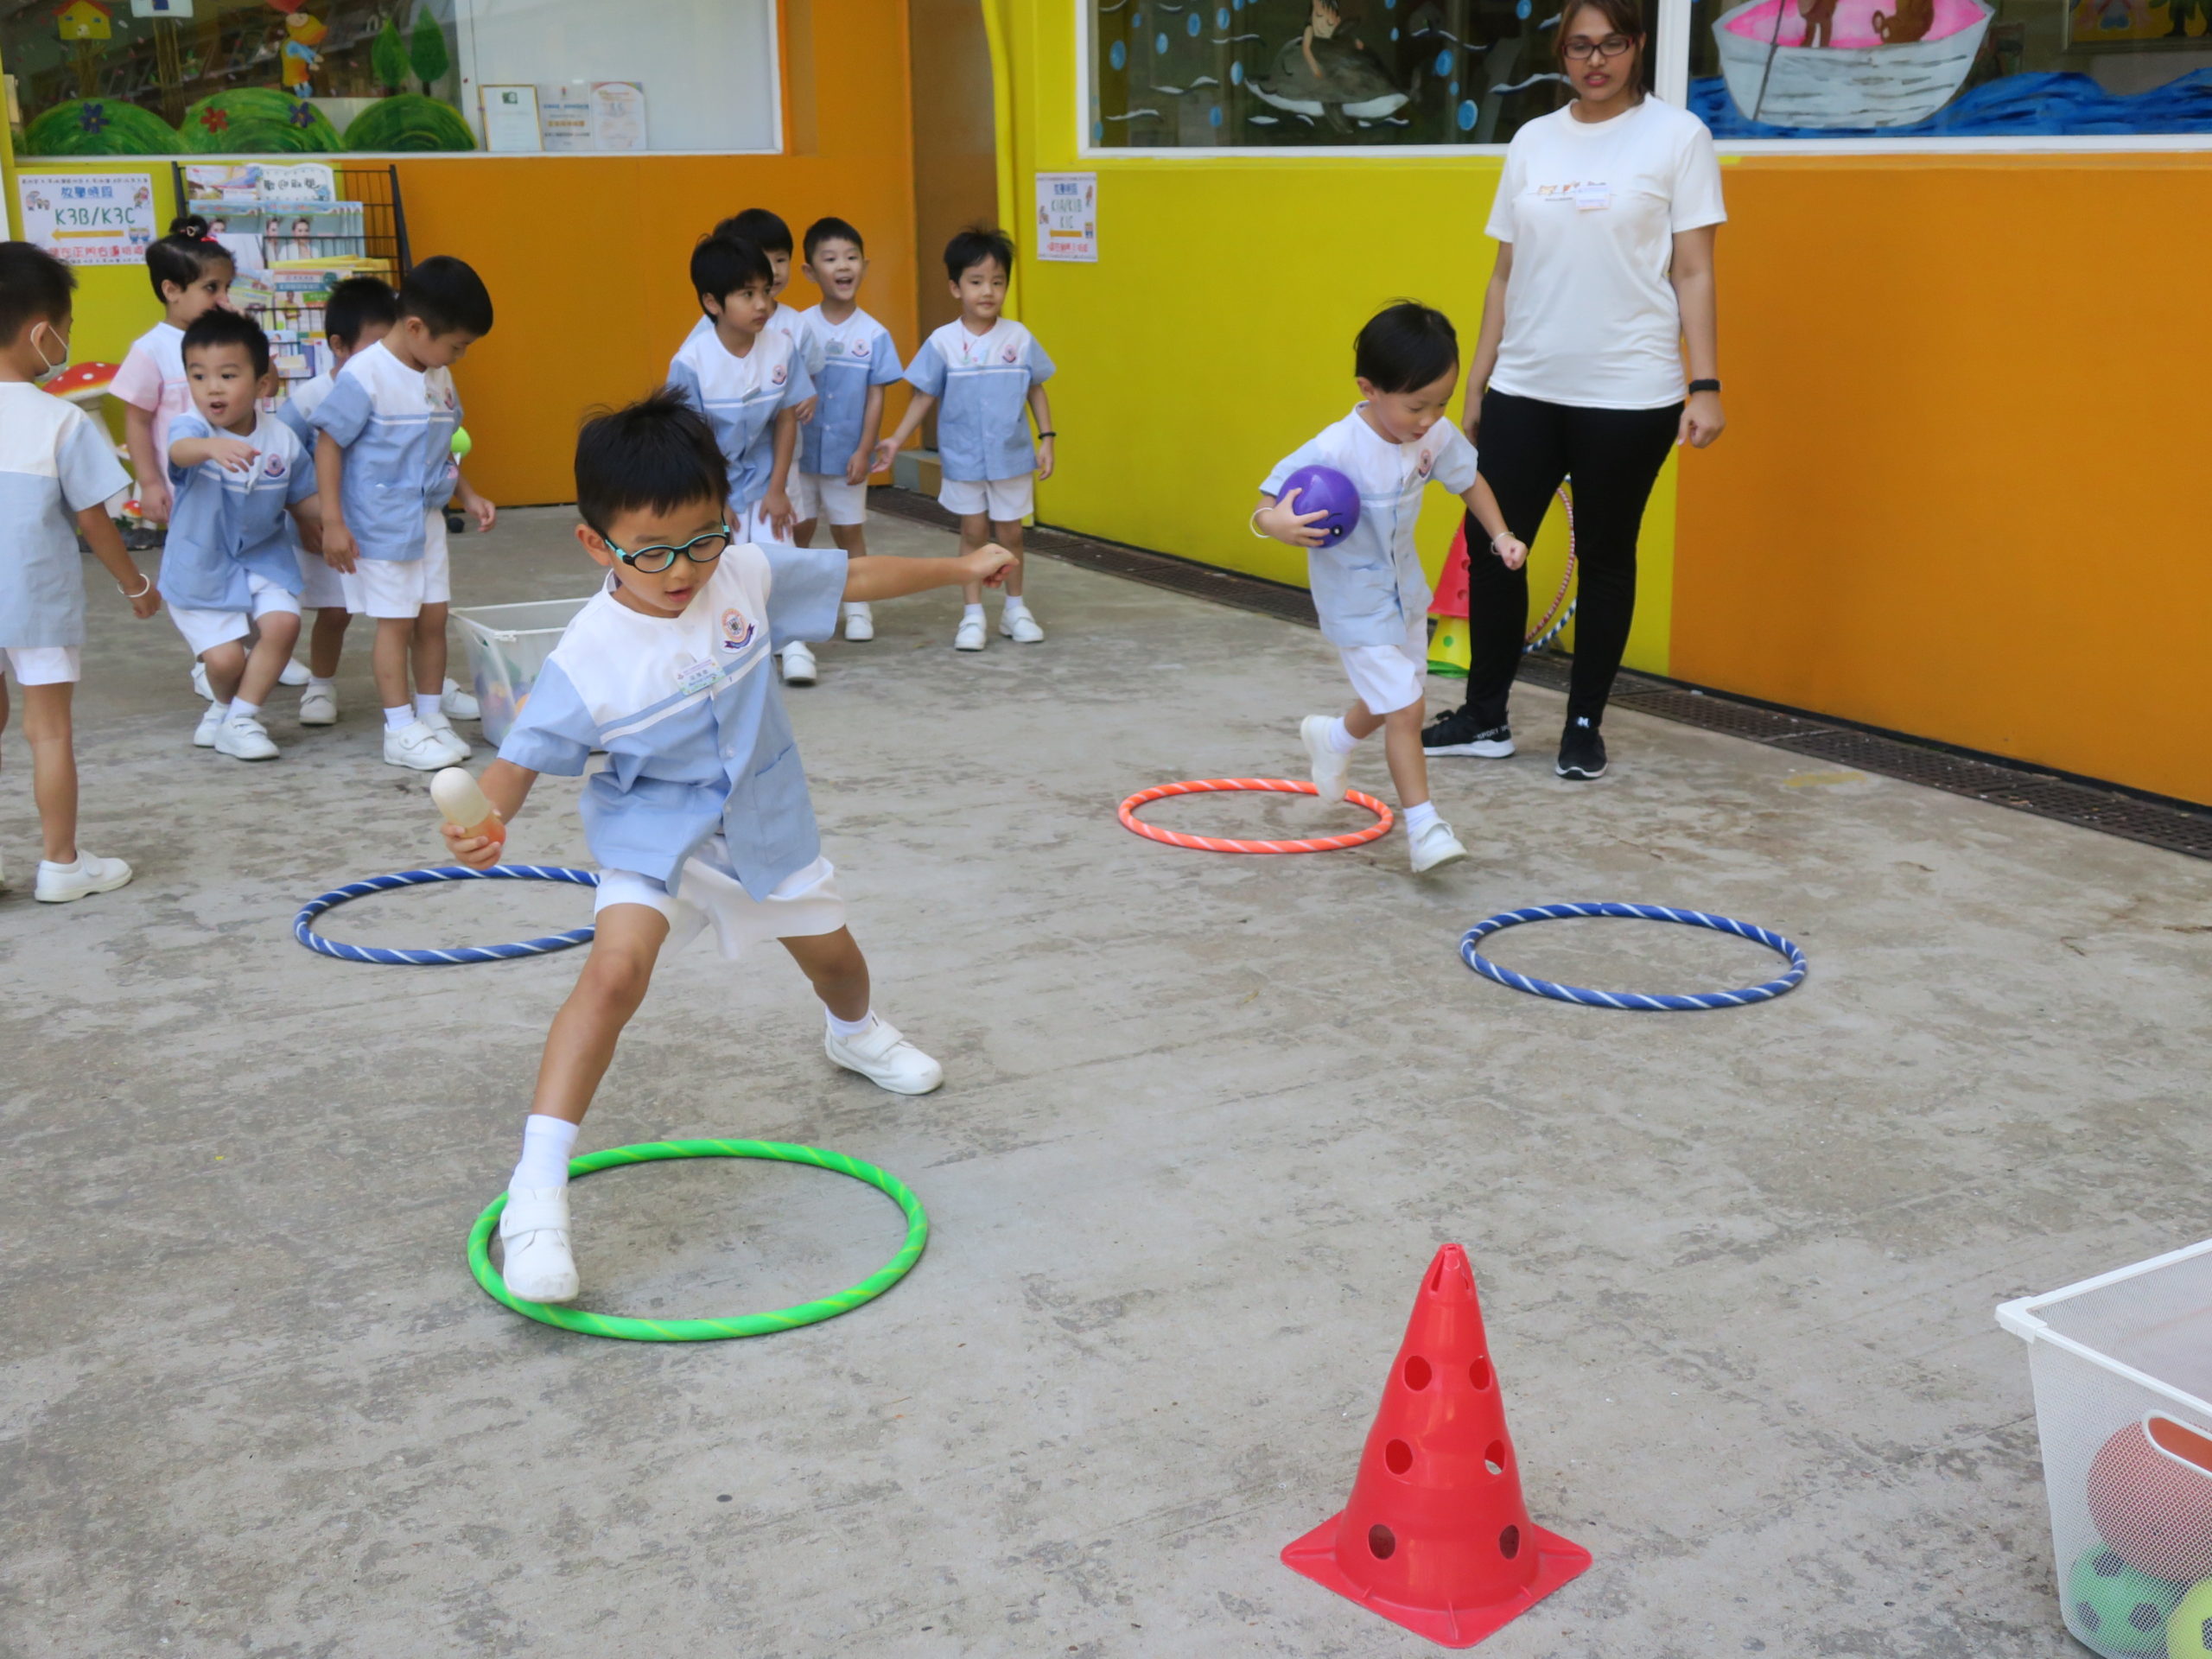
[1067, 217]
[88, 218]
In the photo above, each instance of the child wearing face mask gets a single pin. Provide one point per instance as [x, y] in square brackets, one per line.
[56, 471]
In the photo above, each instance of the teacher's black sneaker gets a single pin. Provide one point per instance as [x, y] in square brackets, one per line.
[1581, 751]
[1461, 733]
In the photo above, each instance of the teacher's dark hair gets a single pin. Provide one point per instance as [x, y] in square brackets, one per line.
[1406, 346]
[1622, 16]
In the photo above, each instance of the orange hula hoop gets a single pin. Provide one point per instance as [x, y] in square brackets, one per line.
[1381, 827]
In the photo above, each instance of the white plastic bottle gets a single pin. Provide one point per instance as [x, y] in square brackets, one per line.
[463, 803]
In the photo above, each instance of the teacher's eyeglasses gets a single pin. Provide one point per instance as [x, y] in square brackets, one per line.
[700, 549]
[1611, 46]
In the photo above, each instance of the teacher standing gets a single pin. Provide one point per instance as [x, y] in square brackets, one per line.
[1601, 299]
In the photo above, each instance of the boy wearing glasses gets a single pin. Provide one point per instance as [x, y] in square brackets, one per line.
[700, 818]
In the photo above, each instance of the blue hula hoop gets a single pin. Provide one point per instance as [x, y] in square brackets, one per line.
[1635, 999]
[303, 924]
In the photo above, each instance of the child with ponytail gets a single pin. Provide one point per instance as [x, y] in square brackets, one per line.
[191, 273]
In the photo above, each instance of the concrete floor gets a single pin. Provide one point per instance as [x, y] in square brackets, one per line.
[1208, 1117]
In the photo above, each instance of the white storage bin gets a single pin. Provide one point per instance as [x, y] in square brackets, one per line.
[507, 644]
[2122, 1367]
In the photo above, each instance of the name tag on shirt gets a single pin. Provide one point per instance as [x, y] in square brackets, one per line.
[1593, 198]
[692, 678]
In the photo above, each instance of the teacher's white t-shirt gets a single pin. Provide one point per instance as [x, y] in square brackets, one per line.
[1591, 210]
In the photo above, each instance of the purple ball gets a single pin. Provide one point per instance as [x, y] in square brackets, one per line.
[1324, 489]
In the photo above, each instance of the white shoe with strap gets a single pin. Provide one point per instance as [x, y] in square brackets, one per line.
[540, 1266]
[886, 1059]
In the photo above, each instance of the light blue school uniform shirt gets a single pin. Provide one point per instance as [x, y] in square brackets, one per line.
[54, 462]
[396, 425]
[225, 526]
[1370, 587]
[856, 354]
[791, 324]
[306, 397]
[982, 384]
[740, 397]
[688, 710]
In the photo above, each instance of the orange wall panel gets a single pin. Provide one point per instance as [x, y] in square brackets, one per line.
[1960, 495]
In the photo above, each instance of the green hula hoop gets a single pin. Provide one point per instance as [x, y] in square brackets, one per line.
[748, 1325]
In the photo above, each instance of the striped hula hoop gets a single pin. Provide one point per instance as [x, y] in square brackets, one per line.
[1555, 620]
[746, 1325]
[1381, 827]
[1634, 1000]
[303, 924]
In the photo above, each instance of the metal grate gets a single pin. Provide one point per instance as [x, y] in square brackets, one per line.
[1717, 713]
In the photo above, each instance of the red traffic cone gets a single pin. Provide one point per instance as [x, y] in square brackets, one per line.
[1451, 598]
[1435, 1536]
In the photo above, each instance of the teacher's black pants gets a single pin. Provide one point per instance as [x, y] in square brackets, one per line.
[1527, 448]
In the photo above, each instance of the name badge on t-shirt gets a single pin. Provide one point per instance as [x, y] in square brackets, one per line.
[692, 678]
[1593, 198]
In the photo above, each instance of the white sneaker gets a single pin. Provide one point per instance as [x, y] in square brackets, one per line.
[243, 738]
[293, 673]
[1020, 627]
[453, 740]
[211, 721]
[1332, 771]
[969, 636]
[886, 1059]
[860, 622]
[1435, 847]
[457, 704]
[534, 1232]
[798, 664]
[59, 886]
[319, 707]
[199, 680]
[417, 746]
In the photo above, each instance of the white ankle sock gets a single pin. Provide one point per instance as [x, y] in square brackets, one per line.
[241, 709]
[398, 720]
[70, 868]
[546, 1143]
[1341, 742]
[1015, 605]
[426, 704]
[1418, 818]
[971, 614]
[316, 682]
[849, 1029]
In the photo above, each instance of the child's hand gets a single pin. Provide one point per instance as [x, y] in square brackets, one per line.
[782, 518]
[986, 564]
[310, 533]
[478, 508]
[856, 469]
[232, 454]
[154, 501]
[1512, 552]
[338, 548]
[1044, 457]
[477, 852]
[885, 453]
[805, 409]
[1286, 523]
[143, 604]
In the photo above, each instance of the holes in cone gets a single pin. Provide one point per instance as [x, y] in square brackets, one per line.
[1494, 1460]
[1508, 1542]
[1398, 1456]
[1417, 1373]
[1384, 1543]
[1478, 1374]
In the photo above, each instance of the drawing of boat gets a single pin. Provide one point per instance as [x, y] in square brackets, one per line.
[1858, 80]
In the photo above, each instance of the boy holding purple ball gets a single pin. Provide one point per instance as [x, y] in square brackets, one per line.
[1368, 584]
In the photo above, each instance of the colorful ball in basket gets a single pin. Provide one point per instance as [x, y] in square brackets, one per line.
[1324, 489]
[2109, 1603]
[2188, 1627]
[2150, 1496]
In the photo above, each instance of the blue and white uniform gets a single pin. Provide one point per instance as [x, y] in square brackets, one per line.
[1368, 589]
[396, 425]
[320, 587]
[701, 811]
[982, 384]
[857, 355]
[229, 556]
[54, 462]
[740, 398]
[784, 320]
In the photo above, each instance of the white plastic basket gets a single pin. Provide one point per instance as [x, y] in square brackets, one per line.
[507, 644]
[2122, 1367]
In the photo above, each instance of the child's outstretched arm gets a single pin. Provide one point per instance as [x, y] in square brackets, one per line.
[1041, 407]
[106, 542]
[338, 549]
[152, 479]
[877, 575]
[1282, 519]
[918, 409]
[1503, 542]
[506, 786]
[233, 454]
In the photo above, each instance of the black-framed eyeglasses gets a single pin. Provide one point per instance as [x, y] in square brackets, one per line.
[657, 558]
[1611, 46]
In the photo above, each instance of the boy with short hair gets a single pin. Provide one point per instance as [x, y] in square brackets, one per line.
[700, 816]
[985, 369]
[57, 471]
[767, 231]
[836, 448]
[229, 567]
[384, 460]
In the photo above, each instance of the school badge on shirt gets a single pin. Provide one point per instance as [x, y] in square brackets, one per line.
[737, 629]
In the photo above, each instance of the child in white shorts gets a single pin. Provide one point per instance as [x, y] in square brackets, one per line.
[1368, 586]
[981, 372]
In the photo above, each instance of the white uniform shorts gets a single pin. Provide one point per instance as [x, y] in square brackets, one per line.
[321, 588]
[1003, 500]
[45, 664]
[1388, 677]
[826, 495]
[397, 588]
[205, 629]
[804, 902]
